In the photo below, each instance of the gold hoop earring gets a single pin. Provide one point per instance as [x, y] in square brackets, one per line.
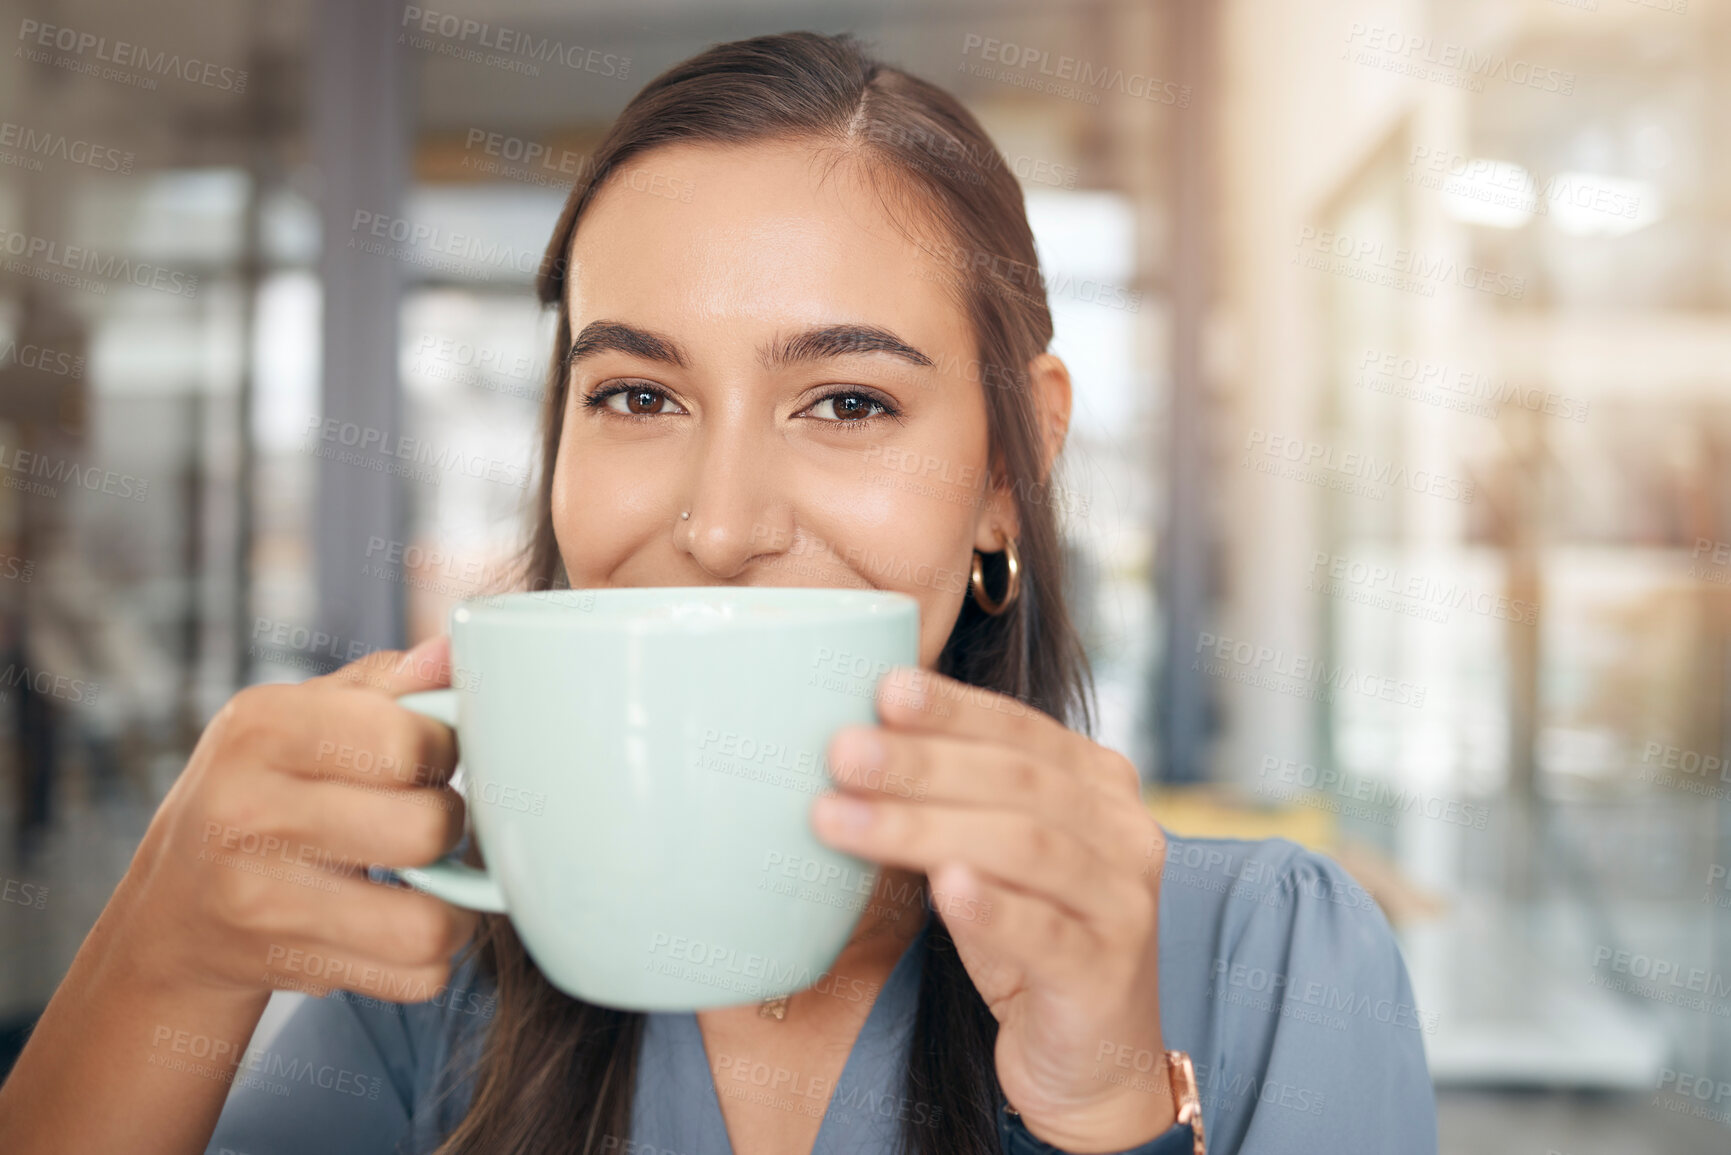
[977, 581]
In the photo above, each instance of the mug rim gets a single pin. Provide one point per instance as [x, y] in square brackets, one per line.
[797, 605]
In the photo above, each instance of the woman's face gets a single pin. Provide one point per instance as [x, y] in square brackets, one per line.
[776, 359]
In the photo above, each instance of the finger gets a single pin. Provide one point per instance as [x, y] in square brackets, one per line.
[1020, 933]
[876, 762]
[1016, 848]
[915, 699]
[396, 672]
[394, 924]
[390, 925]
[340, 826]
[316, 970]
[362, 738]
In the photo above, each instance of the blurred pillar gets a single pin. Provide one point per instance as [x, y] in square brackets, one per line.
[1182, 701]
[360, 139]
[1518, 532]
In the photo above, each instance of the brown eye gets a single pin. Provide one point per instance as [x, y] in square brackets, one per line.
[846, 407]
[637, 401]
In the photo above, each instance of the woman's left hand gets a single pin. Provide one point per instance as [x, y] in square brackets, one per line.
[1045, 867]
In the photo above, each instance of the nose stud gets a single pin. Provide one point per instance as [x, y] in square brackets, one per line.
[685, 515]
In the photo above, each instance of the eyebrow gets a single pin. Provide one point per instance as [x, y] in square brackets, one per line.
[814, 344]
[604, 336]
[839, 341]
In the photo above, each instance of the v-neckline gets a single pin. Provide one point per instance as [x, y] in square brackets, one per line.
[892, 1008]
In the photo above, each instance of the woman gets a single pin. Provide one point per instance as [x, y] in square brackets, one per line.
[801, 341]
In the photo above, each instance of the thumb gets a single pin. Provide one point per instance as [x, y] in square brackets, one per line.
[396, 672]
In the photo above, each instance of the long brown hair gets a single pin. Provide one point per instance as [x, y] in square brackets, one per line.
[555, 1075]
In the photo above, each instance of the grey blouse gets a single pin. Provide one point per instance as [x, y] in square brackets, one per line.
[1278, 974]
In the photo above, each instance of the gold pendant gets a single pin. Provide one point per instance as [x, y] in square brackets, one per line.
[775, 1008]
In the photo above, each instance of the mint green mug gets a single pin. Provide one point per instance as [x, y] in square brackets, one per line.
[639, 766]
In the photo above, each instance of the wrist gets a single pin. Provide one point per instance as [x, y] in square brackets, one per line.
[1131, 1118]
[151, 955]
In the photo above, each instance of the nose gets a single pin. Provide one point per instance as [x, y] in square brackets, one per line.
[739, 510]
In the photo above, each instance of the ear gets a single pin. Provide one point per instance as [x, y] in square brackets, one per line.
[1049, 383]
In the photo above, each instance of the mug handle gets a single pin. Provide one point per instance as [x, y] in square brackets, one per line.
[451, 879]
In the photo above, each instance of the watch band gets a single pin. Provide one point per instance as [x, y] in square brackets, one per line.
[1016, 1139]
[1184, 1137]
[1188, 1102]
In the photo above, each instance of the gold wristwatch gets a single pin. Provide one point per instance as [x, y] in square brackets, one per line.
[1181, 1077]
[1182, 1072]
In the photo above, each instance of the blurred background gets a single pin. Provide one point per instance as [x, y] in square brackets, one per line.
[1399, 488]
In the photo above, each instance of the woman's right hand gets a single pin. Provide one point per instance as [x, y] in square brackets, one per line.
[252, 874]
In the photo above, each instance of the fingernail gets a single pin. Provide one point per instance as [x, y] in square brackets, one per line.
[845, 815]
[857, 748]
[905, 685]
[955, 880]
